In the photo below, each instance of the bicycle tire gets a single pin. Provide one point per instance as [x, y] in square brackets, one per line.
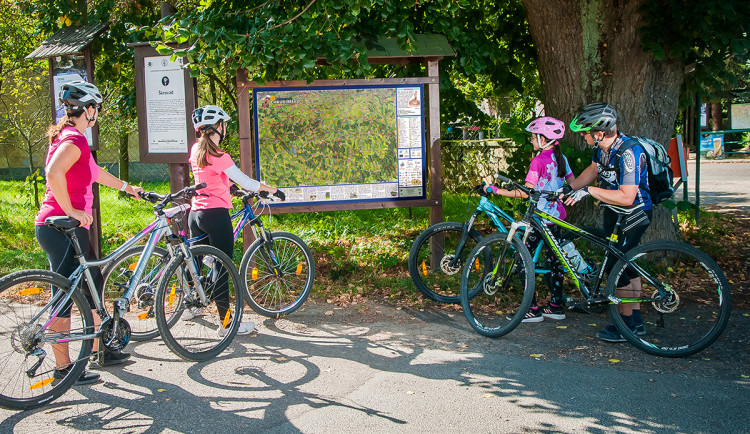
[141, 316]
[23, 295]
[273, 295]
[495, 308]
[197, 338]
[435, 278]
[697, 309]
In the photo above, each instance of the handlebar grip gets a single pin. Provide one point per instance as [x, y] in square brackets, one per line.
[200, 186]
[502, 178]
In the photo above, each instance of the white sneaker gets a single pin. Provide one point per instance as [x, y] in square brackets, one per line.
[245, 328]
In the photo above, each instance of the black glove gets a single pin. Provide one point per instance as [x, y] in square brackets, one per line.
[280, 194]
[479, 189]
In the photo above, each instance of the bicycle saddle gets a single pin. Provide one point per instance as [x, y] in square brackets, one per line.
[62, 222]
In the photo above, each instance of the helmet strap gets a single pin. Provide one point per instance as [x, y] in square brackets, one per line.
[221, 135]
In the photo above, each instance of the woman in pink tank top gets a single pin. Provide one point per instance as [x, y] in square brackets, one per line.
[71, 173]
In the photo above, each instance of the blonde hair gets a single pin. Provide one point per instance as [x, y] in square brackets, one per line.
[54, 130]
[207, 147]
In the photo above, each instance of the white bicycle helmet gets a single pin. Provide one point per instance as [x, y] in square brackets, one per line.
[207, 116]
[77, 95]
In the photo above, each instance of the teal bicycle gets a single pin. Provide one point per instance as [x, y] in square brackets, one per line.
[440, 252]
[684, 299]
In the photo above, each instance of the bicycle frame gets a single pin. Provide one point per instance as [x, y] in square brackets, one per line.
[156, 230]
[496, 215]
[533, 218]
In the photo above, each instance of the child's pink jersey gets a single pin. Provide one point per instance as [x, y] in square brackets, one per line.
[543, 175]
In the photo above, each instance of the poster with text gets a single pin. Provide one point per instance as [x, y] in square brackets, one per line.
[165, 105]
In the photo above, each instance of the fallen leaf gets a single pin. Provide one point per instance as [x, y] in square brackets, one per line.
[536, 356]
[561, 327]
[161, 390]
[281, 359]
[488, 395]
[410, 393]
[329, 313]
[592, 324]
[706, 358]
[614, 361]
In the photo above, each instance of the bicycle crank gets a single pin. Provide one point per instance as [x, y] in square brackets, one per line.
[115, 338]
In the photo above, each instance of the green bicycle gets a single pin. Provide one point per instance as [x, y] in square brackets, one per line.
[685, 298]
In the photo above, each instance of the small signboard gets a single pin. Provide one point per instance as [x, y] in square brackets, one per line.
[166, 99]
[740, 116]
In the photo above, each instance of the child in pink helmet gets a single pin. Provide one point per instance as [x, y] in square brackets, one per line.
[548, 172]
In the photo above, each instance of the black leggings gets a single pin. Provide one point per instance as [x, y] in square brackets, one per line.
[555, 277]
[61, 256]
[217, 224]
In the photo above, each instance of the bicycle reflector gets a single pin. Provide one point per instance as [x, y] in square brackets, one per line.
[424, 268]
[171, 295]
[32, 291]
[255, 273]
[299, 268]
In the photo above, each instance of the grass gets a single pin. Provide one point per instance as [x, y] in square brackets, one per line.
[358, 253]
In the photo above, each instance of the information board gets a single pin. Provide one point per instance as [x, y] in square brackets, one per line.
[165, 105]
[341, 144]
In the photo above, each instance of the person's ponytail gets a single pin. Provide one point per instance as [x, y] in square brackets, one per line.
[206, 147]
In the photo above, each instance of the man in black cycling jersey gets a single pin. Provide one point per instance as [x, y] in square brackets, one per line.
[622, 181]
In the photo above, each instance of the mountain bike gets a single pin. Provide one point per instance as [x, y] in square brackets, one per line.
[685, 298]
[439, 253]
[31, 300]
[278, 282]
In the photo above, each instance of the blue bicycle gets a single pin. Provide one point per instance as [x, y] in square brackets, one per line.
[440, 252]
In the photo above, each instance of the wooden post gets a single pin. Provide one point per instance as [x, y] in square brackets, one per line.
[179, 173]
[95, 231]
[436, 180]
[244, 121]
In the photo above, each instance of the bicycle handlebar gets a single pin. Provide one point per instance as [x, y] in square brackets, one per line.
[248, 195]
[551, 196]
[162, 200]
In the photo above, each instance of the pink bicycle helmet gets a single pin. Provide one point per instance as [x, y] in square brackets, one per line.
[550, 128]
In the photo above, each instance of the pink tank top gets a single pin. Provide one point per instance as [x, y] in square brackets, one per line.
[80, 177]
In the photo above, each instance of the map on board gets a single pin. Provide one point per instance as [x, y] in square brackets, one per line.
[341, 143]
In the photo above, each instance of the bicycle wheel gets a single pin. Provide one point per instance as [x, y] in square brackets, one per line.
[27, 363]
[501, 277]
[117, 276]
[694, 310]
[433, 275]
[271, 294]
[203, 329]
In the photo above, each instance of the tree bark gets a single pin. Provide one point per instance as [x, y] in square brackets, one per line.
[590, 51]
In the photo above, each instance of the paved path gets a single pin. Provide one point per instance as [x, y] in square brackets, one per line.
[375, 368]
[724, 184]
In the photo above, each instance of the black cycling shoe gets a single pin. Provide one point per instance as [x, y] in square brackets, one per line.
[109, 358]
[86, 377]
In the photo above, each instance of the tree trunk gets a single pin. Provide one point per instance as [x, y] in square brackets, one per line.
[716, 117]
[124, 160]
[589, 51]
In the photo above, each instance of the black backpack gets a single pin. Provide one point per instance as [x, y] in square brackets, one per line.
[660, 175]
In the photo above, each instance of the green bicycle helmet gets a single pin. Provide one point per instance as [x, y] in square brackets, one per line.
[598, 116]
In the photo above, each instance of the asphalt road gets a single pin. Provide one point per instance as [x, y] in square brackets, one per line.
[724, 185]
[375, 368]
